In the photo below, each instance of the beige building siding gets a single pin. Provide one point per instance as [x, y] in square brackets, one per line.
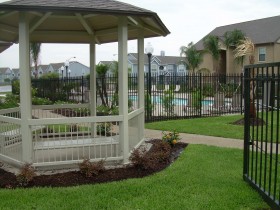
[233, 67]
[207, 62]
[277, 52]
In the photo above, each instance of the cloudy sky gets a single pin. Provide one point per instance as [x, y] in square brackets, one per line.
[188, 21]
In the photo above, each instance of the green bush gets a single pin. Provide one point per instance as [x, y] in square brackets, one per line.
[15, 87]
[104, 128]
[168, 102]
[40, 101]
[171, 138]
[149, 104]
[103, 110]
[196, 99]
[208, 90]
[51, 75]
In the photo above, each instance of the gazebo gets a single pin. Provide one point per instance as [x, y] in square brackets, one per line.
[37, 135]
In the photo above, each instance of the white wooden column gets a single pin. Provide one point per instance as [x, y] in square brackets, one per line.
[25, 87]
[123, 86]
[92, 101]
[141, 82]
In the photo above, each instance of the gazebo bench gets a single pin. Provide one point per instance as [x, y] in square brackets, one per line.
[12, 137]
[75, 143]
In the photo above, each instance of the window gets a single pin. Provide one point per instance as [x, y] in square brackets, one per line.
[170, 68]
[181, 68]
[262, 54]
[154, 68]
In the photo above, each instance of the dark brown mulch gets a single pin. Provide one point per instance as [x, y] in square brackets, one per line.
[253, 122]
[73, 178]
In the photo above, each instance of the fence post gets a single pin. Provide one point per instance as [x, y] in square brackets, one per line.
[242, 93]
[246, 122]
[200, 94]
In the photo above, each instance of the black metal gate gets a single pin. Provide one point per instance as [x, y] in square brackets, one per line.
[261, 130]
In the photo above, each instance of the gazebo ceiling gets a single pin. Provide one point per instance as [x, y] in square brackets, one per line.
[75, 21]
[4, 46]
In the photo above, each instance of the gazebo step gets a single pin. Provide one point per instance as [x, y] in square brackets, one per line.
[73, 143]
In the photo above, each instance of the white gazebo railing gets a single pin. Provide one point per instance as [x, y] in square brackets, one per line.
[59, 138]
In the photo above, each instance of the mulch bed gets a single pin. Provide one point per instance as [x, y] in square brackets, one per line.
[73, 178]
[253, 122]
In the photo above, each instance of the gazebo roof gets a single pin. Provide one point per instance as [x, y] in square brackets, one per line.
[75, 21]
[4, 46]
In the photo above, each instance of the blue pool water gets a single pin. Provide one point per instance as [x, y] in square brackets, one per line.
[177, 101]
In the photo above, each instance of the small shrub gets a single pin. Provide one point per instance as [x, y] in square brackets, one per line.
[103, 110]
[162, 151]
[88, 168]
[26, 174]
[74, 128]
[40, 101]
[104, 128]
[168, 102]
[138, 158]
[171, 138]
[143, 159]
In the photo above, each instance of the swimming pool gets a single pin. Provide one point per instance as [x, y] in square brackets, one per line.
[177, 101]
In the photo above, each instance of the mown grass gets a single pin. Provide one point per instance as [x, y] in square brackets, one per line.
[211, 126]
[203, 177]
[221, 126]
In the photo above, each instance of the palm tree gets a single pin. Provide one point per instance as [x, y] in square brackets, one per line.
[247, 47]
[35, 49]
[211, 44]
[101, 71]
[233, 39]
[193, 57]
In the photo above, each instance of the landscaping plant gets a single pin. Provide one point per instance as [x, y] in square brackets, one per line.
[145, 159]
[91, 168]
[171, 138]
[26, 174]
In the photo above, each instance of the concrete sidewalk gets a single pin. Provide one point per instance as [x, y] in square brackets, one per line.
[200, 139]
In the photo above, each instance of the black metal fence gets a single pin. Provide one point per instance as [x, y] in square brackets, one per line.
[261, 133]
[167, 96]
[193, 95]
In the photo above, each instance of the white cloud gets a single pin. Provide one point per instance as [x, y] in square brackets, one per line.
[188, 20]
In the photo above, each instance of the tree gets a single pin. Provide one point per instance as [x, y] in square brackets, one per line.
[247, 47]
[193, 57]
[233, 39]
[101, 71]
[35, 49]
[211, 44]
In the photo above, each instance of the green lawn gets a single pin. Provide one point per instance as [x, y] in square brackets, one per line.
[219, 126]
[210, 126]
[203, 177]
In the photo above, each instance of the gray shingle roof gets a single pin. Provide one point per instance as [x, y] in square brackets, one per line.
[56, 66]
[74, 21]
[88, 5]
[164, 60]
[3, 70]
[261, 31]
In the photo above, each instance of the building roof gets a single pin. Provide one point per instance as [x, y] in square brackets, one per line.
[261, 31]
[106, 62]
[3, 70]
[15, 70]
[56, 66]
[75, 21]
[163, 60]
